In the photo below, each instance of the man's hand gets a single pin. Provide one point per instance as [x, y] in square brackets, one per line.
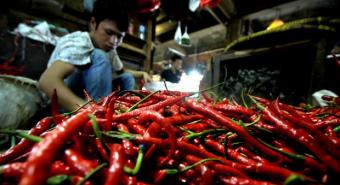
[147, 78]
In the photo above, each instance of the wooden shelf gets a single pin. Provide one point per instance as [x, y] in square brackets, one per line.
[133, 48]
[134, 41]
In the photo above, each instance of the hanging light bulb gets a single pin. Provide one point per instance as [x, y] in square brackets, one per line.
[276, 23]
[185, 40]
[194, 4]
[178, 33]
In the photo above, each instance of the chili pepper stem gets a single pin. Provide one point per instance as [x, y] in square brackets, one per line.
[175, 171]
[58, 179]
[90, 174]
[139, 161]
[22, 134]
[141, 101]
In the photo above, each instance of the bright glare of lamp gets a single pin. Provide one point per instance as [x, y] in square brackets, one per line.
[190, 82]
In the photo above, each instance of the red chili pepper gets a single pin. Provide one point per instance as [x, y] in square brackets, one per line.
[44, 152]
[129, 99]
[312, 130]
[78, 141]
[110, 109]
[234, 109]
[303, 138]
[136, 112]
[190, 175]
[251, 154]
[216, 146]
[133, 124]
[306, 160]
[219, 167]
[150, 152]
[24, 144]
[183, 119]
[269, 127]
[207, 97]
[147, 103]
[166, 126]
[210, 122]
[108, 99]
[232, 180]
[225, 121]
[239, 157]
[102, 151]
[207, 174]
[130, 149]
[16, 169]
[152, 140]
[326, 123]
[102, 123]
[231, 153]
[333, 136]
[158, 96]
[129, 180]
[78, 163]
[12, 170]
[59, 167]
[260, 168]
[283, 146]
[153, 130]
[159, 176]
[122, 106]
[75, 180]
[142, 183]
[263, 101]
[196, 127]
[117, 160]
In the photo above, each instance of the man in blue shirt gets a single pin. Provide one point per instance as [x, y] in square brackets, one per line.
[174, 73]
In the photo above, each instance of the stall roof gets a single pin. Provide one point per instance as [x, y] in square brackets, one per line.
[206, 25]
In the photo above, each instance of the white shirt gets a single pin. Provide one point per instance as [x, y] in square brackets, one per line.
[75, 48]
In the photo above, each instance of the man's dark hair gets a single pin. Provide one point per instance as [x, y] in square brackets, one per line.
[114, 10]
[175, 57]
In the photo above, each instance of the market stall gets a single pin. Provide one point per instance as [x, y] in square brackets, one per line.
[220, 92]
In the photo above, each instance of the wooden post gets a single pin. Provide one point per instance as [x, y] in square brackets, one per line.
[318, 73]
[149, 45]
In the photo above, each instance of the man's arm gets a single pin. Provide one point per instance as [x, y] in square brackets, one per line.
[53, 78]
[140, 74]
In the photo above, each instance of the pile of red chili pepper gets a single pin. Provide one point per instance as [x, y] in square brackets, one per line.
[167, 137]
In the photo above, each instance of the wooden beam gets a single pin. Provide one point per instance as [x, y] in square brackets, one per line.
[165, 27]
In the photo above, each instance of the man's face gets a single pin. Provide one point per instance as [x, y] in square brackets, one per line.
[105, 35]
[177, 64]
